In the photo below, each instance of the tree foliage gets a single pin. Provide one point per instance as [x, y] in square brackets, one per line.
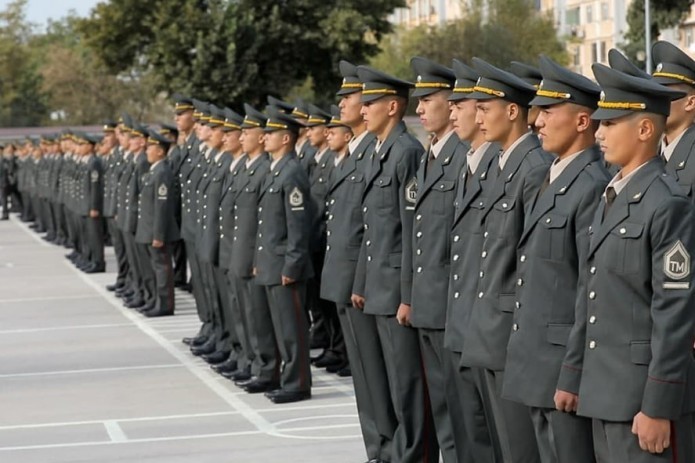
[236, 51]
[499, 31]
[664, 14]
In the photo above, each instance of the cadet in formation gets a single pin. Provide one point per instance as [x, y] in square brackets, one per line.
[519, 291]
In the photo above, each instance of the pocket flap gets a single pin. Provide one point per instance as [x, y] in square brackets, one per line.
[356, 177]
[382, 181]
[280, 250]
[628, 230]
[505, 204]
[554, 220]
[641, 352]
[445, 185]
[395, 260]
[558, 333]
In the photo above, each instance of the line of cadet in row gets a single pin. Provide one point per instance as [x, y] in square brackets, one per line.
[503, 296]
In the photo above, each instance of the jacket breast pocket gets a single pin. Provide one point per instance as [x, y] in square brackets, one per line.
[552, 242]
[640, 352]
[353, 188]
[501, 217]
[445, 192]
[384, 188]
[623, 252]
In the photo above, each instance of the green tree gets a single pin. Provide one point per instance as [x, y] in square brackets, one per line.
[236, 51]
[664, 14]
[21, 101]
[503, 31]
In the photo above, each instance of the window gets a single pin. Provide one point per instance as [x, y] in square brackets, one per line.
[689, 42]
[594, 52]
[589, 14]
[603, 52]
[605, 11]
[572, 17]
[577, 57]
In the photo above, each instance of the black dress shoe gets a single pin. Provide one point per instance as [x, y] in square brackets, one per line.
[113, 287]
[328, 359]
[345, 372]
[145, 308]
[257, 386]
[335, 368]
[135, 304]
[158, 313]
[217, 357]
[204, 349]
[95, 268]
[5, 217]
[243, 384]
[286, 397]
[187, 341]
[228, 366]
[194, 340]
[240, 375]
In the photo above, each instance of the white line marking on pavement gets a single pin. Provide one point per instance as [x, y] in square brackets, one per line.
[55, 298]
[173, 417]
[87, 370]
[115, 432]
[190, 437]
[62, 328]
[206, 377]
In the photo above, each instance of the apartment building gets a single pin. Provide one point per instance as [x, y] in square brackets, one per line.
[431, 12]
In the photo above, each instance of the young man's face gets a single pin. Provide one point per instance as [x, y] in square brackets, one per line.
[492, 118]
[184, 121]
[376, 114]
[273, 141]
[681, 109]
[252, 139]
[154, 153]
[317, 135]
[215, 139]
[557, 127]
[338, 138]
[614, 138]
[434, 112]
[231, 142]
[350, 109]
[463, 118]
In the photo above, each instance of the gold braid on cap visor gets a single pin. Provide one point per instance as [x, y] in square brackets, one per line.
[622, 105]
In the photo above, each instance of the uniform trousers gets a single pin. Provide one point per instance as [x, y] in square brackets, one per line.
[615, 443]
[513, 430]
[161, 263]
[238, 321]
[415, 439]
[562, 436]
[444, 398]
[377, 417]
[291, 329]
[474, 402]
[95, 239]
[119, 251]
[254, 304]
[198, 290]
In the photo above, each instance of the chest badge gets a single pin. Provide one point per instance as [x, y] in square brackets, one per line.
[296, 197]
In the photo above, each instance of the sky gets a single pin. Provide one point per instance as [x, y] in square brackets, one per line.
[39, 11]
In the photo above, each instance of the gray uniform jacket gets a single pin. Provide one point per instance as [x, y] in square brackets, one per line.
[681, 166]
[466, 241]
[383, 274]
[305, 155]
[140, 168]
[190, 172]
[284, 225]
[156, 219]
[125, 172]
[243, 196]
[633, 348]
[227, 216]
[320, 173]
[434, 215]
[552, 255]
[345, 229]
[208, 244]
[490, 323]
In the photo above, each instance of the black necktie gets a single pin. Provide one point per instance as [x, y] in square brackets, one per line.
[610, 197]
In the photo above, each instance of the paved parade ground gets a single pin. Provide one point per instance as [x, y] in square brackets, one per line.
[83, 379]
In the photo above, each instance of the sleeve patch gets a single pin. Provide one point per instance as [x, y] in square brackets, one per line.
[677, 267]
[162, 191]
[296, 198]
[411, 191]
[95, 176]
